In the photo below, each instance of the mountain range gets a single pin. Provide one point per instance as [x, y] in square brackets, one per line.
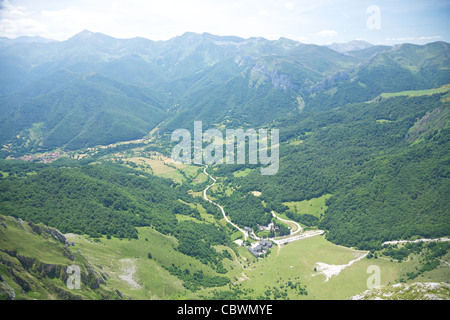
[95, 89]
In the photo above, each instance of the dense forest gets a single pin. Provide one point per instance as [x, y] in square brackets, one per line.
[384, 185]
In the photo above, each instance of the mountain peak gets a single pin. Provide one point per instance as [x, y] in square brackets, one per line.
[350, 46]
[87, 35]
[84, 34]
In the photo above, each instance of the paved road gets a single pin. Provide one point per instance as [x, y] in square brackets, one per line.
[413, 241]
[299, 228]
[299, 237]
[219, 206]
[276, 240]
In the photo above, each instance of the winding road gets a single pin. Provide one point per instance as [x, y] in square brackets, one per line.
[246, 235]
[277, 240]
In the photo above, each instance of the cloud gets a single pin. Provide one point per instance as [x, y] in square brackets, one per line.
[327, 33]
[263, 13]
[7, 9]
[289, 5]
[16, 21]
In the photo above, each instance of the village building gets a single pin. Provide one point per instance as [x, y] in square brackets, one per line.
[260, 248]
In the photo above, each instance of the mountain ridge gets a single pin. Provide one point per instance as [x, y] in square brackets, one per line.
[179, 76]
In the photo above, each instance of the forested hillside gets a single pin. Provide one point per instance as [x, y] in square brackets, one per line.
[94, 89]
[384, 185]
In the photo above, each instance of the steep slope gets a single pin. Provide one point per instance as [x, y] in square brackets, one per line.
[93, 199]
[388, 177]
[75, 111]
[37, 262]
[404, 67]
[94, 89]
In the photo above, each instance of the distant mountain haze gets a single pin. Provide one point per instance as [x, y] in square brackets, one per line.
[95, 89]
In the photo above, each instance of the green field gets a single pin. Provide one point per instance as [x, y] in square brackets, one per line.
[293, 261]
[297, 260]
[315, 206]
[415, 93]
[242, 173]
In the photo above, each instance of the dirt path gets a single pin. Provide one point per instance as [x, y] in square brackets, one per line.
[128, 269]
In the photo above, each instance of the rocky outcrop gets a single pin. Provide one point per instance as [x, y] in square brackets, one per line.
[58, 236]
[407, 291]
[36, 229]
[330, 81]
[19, 280]
[6, 291]
[49, 270]
[26, 262]
[260, 72]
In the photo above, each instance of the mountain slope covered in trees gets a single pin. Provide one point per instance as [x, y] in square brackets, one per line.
[94, 89]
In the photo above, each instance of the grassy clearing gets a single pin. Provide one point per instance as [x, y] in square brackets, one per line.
[295, 142]
[117, 258]
[164, 167]
[152, 279]
[315, 206]
[242, 173]
[208, 217]
[415, 93]
[297, 260]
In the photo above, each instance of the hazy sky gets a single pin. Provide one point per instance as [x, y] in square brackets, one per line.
[318, 21]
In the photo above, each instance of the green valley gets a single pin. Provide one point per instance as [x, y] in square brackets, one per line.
[358, 208]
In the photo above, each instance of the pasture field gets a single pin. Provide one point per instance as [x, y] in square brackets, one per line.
[315, 206]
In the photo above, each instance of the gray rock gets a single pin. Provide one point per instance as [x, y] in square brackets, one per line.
[58, 236]
[6, 291]
[27, 262]
[22, 224]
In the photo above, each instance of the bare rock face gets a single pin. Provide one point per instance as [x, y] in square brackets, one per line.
[19, 280]
[6, 291]
[58, 236]
[27, 262]
[36, 229]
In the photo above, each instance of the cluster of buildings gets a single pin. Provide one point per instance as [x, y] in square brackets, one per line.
[46, 157]
[260, 248]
